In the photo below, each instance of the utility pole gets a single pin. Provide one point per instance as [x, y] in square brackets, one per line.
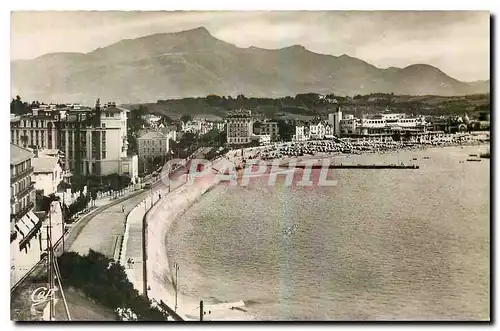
[49, 264]
[201, 311]
[176, 266]
[63, 229]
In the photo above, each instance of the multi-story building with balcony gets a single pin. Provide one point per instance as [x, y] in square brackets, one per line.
[25, 227]
[92, 140]
[239, 126]
[35, 130]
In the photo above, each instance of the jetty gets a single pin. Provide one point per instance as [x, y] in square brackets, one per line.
[485, 155]
[355, 166]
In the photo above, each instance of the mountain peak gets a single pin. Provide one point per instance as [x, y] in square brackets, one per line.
[421, 66]
[201, 30]
[295, 47]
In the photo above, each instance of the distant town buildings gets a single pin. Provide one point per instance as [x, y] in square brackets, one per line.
[382, 126]
[220, 126]
[151, 120]
[201, 126]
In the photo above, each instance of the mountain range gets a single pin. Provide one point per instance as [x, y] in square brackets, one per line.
[194, 63]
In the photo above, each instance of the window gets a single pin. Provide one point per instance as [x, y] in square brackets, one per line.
[103, 125]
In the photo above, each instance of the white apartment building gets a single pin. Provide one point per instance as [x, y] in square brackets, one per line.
[239, 127]
[94, 141]
[320, 130]
[301, 133]
[47, 173]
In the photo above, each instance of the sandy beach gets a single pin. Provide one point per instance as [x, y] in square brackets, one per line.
[160, 279]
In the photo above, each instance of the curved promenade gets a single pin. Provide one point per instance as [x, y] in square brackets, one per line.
[157, 216]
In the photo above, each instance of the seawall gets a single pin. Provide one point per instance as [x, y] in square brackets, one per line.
[158, 268]
[157, 264]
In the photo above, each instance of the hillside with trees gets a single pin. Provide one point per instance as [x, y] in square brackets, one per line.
[304, 106]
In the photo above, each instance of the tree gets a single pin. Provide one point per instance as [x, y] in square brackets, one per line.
[142, 110]
[484, 116]
[18, 107]
[213, 100]
[105, 281]
[186, 118]
[166, 120]
[286, 130]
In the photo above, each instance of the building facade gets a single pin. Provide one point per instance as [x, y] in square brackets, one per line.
[262, 139]
[320, 130]
[47, 174]
[239, 126]
[269, 128]
[152, 120]
[200, 126]
[383, 124]
[153, 144]
[334, 120]
[301, 133]
[36, 130]
[387, 124]
[25, 227]
[93, 141]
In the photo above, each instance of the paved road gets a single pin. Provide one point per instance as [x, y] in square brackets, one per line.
[102, 230]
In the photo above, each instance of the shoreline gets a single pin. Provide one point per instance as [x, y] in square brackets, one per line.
[160, 278]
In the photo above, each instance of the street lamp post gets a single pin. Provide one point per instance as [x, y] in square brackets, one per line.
[176, 266]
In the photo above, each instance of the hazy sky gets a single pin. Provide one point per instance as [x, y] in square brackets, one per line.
[456, 42]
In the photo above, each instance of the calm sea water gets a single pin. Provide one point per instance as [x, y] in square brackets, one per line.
[381, 245]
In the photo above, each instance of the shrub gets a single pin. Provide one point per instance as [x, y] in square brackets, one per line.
[106, 283]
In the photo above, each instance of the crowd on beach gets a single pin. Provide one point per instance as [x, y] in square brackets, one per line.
[338, 146]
